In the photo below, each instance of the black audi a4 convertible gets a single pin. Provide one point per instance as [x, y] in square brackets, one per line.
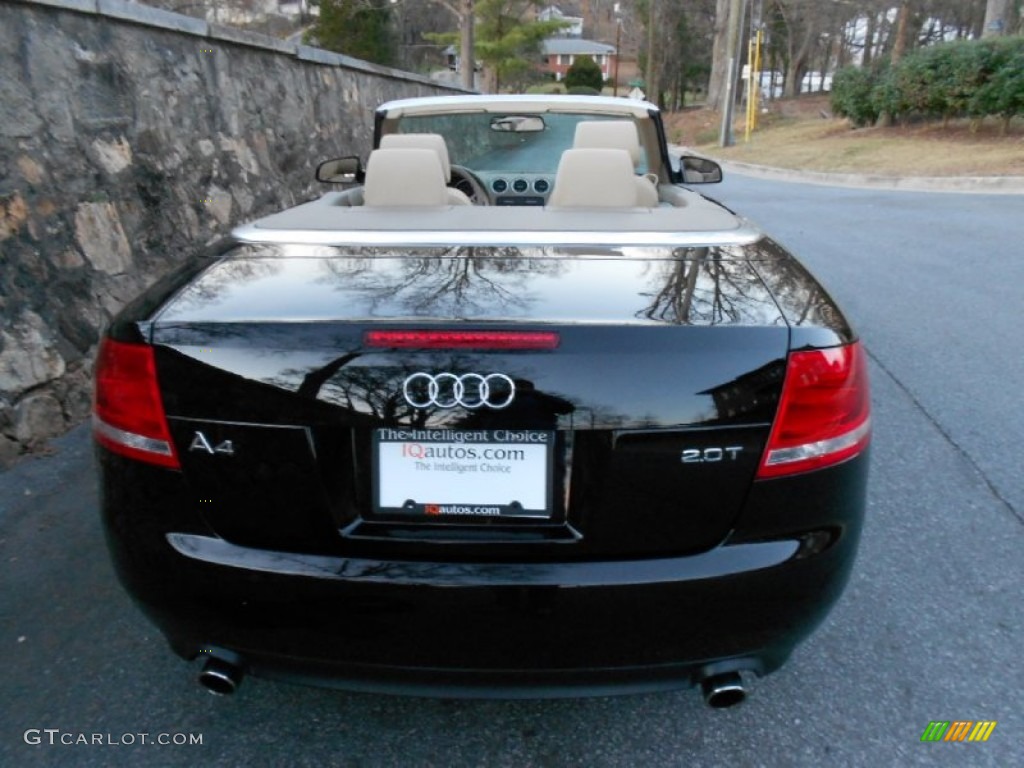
[515, 412]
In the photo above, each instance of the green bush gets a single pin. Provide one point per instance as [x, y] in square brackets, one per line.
[851, 95]
[356, 29]
[887, 95]
[965, 78]
[922, 82]
[966, 68]
[585, 73]
[1002, 90]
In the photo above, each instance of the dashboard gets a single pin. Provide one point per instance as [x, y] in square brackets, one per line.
[516, 188]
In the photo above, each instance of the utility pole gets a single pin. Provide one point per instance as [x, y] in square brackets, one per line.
[736, 9]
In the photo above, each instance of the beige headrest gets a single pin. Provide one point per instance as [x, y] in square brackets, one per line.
[599, 178]
[434, 141]
[404, 177]
[609, 134]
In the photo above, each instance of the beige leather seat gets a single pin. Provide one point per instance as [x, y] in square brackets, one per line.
[404, 177]
[618, 134]
[595, 178]
[434, 142]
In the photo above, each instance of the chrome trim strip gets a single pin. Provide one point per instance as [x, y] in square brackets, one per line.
[235, 423]
[248, 233]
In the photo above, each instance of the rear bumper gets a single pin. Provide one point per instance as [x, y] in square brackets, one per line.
[471, 630]
[453, 683]
[509, 629]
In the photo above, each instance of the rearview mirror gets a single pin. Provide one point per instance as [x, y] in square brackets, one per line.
[518, 123]
[699, 170]
[341, 170]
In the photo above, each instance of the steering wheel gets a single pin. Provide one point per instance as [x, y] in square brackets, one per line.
[466, 181]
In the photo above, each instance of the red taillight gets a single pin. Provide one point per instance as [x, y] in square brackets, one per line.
[462, 339]
[824, 414]
[128, 414]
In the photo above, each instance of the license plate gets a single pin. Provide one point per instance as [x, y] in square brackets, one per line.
[449, 474]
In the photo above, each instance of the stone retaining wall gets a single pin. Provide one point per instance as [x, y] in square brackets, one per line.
[130, 136]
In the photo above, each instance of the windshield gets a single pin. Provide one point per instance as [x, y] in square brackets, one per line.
[477, 141]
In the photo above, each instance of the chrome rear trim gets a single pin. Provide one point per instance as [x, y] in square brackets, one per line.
[744, 235]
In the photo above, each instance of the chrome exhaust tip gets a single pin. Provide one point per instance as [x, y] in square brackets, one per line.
[724, 690]
[220, 677]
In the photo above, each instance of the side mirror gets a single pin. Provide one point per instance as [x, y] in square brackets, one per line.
[341, 170]
[698, 170]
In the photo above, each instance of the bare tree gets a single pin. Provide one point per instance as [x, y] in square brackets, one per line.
[719, 55]
[666, 41]
[903, 28]
[463, 11]
[802, 21]
[651, 78]
[997, 17]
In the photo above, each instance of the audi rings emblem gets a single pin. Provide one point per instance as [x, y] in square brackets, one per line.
[470, 390]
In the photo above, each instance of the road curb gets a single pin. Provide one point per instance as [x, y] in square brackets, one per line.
[976, 185]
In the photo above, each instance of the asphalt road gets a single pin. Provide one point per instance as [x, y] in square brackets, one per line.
[930, 627]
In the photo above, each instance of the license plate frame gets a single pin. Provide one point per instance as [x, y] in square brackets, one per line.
[460, 475]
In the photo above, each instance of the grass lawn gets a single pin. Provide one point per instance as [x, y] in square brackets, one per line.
[802, 134]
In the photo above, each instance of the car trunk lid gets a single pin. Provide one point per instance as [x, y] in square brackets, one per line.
[648, 416]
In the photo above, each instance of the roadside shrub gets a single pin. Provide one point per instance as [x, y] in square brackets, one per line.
[928, 79]
[887, 96]
[913, 84]
[584, 72]
[966, 69]
[965, 78]
[851, 95]
[1002, 90]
